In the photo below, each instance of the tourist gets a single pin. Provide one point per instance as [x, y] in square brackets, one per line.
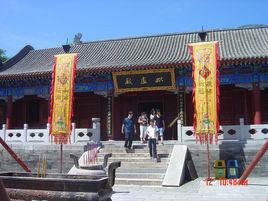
[128, 129]
[152, 135]
[143, 121]
[152, 114]
[160, 123]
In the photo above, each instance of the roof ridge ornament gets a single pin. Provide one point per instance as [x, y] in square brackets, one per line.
[77, 39]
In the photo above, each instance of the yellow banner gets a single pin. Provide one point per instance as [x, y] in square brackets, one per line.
[62, 96]
[205, 89]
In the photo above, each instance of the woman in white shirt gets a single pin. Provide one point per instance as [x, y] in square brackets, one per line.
[143, 121]
[152, 114]
[152, 135]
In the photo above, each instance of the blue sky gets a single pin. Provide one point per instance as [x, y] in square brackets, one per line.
[49, 23]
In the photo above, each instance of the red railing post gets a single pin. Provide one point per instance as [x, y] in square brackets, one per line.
[254, 162]
[14, 155]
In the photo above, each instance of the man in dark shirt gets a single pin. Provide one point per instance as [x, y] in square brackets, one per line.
[160, 123]
[128, 128]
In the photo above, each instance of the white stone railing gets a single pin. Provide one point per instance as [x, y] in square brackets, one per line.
[239, 132]
[25, 135]
[37, 135]
[83, 134]
[15, 135]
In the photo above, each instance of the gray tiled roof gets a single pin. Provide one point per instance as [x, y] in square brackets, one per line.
[235, 45]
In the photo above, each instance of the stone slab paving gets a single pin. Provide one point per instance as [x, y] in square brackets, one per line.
[256, 190]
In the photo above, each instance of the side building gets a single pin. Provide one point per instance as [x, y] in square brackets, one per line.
[104, 69]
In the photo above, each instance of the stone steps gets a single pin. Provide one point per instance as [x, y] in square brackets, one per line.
[142, 170]
[143, 165]
[131, 164]
[140, 175]
[134, 160]
[139, 181]
[135, 155]
[136, 149]
[137, 168]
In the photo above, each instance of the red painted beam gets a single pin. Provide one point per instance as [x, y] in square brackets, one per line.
[254, 162]
[14, 155]
[9, 112]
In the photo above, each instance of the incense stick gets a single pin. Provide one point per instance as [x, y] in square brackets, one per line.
[38, 166]
[44, 166]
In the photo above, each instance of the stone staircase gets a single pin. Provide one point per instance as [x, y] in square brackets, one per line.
[136, 166]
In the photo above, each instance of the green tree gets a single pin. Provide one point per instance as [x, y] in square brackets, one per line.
[3, 56]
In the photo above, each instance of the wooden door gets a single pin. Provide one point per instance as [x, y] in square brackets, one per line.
[131, 101]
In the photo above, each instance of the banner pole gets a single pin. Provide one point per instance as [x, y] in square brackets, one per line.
[208, 161]
[207, 134]
[61, 146]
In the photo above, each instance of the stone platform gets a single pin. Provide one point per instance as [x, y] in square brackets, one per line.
[137, 168]
[197, 190]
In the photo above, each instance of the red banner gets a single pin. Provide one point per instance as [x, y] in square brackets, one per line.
[61, 101]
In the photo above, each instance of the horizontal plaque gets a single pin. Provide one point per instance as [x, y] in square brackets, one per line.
[144, 80]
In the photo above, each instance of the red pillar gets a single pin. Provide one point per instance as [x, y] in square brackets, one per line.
[9, 112]
[109, 117]
[114, 118]
[48, 108]
[256, 103]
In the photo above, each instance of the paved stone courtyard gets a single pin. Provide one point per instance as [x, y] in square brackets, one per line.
[256, 190]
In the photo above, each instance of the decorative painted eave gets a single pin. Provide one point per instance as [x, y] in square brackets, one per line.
[108, 70]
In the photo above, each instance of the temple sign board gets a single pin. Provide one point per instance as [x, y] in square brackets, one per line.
[144, 80]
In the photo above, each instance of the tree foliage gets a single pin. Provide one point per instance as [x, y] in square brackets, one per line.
[3, 56]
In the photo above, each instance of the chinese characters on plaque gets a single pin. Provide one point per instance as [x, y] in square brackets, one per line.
[144, 80]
